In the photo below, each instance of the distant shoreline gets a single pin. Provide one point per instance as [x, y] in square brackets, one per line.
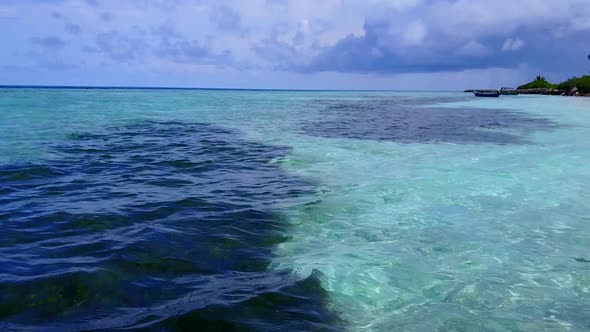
[575, 86]
[543, 91]
[552, 92]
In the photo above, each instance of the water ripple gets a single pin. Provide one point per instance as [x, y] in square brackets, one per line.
[391, 119]
[158, 225]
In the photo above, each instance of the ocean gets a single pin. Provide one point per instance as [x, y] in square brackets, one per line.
[221, 210]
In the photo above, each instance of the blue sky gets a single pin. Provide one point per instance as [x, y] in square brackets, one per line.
[304, 44]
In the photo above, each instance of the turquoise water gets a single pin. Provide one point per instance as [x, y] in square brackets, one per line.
[413, 211]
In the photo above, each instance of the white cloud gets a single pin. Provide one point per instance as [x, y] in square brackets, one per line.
[580, 24]
[474, 48]
[512, 44]
[472, 18]
[375, 52]
[415, 33]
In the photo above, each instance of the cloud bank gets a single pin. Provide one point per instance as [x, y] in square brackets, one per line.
[295, 37]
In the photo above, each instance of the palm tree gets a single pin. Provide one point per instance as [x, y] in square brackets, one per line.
[540, 78]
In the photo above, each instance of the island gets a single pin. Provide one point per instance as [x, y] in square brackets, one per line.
[575, 86]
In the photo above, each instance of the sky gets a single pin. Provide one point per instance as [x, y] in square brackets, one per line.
[293, 44]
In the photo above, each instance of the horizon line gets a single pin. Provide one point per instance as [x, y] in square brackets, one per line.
[115, 87]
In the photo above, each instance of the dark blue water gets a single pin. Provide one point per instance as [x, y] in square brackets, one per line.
[158, 226]
[399, 120]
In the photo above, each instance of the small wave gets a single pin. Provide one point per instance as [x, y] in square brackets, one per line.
[175, 227]
[393, 120]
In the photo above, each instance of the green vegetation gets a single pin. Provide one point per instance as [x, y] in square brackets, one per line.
[539, 83]
[582, 83]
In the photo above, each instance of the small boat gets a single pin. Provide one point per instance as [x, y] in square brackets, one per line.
[508, 92]
[487, 93]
